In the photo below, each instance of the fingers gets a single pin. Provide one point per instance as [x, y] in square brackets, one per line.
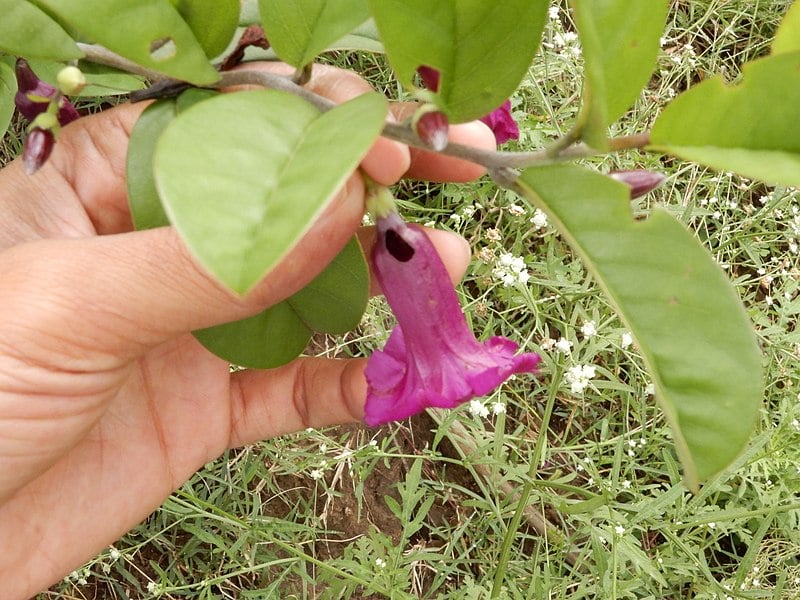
[308, 392]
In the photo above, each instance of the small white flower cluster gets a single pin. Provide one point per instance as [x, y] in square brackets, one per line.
[511, 270]
[589, 329]
[579, 377]
[155, 588]
[562, 344]
[632, 444]
[538, 220]
[627, 340]
[477, 408]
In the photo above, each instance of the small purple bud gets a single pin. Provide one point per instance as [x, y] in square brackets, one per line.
[33, 96]
[37, 149]
[432, 127]
[639, 180]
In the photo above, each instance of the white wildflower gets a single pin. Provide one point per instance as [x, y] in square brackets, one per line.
[589, 329]
[626, 485]
[516, 210]
[316, 474]
[478, 409]
[511, 269]
[538, 220]
[493, 235]
[627, 339]
[498, 408]
[619, 530]
[579, 377]
[563, 345]
[380, 563]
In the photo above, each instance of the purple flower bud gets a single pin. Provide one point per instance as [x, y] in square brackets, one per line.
[432, 127]
[33, 96]
[500, 121]
[639, 180]
[37, 148]
[432, 359]
[430, 77]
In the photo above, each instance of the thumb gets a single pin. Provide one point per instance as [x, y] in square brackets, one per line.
[118, 295]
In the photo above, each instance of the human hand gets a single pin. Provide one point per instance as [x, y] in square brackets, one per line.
[107, 403]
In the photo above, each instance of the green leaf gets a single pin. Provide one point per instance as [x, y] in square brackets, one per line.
[101, 80]
[787, 39]
[620, 41]
[243, 176]
[143, 199]
[692, 330]
[482, 49]
[27, 31]
[213, 22]
[301, 29]
[264, 341]
[332, 303]
[752, 128]
[336, 299]
[149, 32]
[8, 88]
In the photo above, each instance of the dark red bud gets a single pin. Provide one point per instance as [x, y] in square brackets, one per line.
[27, 81]
[33, 94]
[430, 77]
[640, 181]
[432, 128]
[37, 149]
[67, 113]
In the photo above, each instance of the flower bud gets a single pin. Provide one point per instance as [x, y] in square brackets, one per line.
[71, 80]
[34, 96]
[431, 126]
[639, 181]
[37, 149]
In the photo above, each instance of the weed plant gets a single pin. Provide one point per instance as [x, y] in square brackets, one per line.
[433, 508]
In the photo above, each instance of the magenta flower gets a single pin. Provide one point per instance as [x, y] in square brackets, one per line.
[499, 120]
[432, 359]
[33, 96]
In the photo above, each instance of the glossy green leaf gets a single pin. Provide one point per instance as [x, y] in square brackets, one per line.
[8, 88]
[27, 31]
[149, 32]
[336, 299]
[213, 22]
[332, 303]
[691, 328]
[752, 128]
[620, 41]
[301, 29]
[143, 198]
[266, 340]
[101, 80]
[243, 176]
[482, 49]
[787, 38]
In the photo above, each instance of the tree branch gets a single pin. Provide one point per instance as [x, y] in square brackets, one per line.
[500, 164]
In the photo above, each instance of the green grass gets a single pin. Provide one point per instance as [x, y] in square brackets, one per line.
[432, 508]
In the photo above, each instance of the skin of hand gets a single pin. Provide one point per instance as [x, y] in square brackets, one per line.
[107, 403]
